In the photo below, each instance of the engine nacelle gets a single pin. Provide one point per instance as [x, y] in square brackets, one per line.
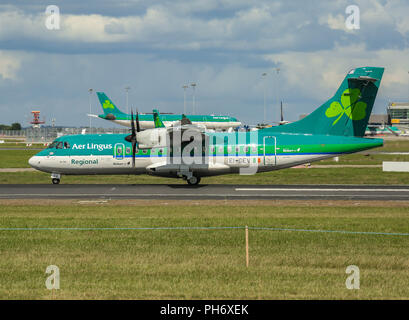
[151, 138]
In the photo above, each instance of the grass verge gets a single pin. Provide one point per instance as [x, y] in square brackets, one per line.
[286, 176]
[204, 264]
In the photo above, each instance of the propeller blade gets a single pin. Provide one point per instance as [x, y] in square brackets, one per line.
[132, 123]
[138, 127]
[133, 153]
[185, 120]
[132, 137]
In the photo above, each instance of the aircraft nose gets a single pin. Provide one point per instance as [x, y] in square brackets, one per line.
[34, 162]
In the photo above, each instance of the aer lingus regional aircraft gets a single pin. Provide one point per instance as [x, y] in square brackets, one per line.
[113, 114]
[189, 152]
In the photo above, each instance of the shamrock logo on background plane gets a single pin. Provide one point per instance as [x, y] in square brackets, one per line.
[107, 105]
[349, 106]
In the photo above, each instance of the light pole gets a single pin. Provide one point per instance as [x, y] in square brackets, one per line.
[184, 98]
[90, 93]
[127, 90]
[264, 80]
[193, 85]
[277, 87]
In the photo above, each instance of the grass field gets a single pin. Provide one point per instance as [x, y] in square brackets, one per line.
[204, 264]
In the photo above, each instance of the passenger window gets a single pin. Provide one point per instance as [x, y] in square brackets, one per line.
[59, 145]
[237, 149]
[66, 145]
[221, 149]
[229, 148]
[145, 151]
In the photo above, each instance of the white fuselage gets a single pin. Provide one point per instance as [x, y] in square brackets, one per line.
[162, 166]
[215, 125]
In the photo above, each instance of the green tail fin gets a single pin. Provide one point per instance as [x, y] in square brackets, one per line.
[347, 112]
[156, 119]
[107, 105]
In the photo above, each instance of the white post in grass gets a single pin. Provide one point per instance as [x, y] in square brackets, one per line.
[247, 246]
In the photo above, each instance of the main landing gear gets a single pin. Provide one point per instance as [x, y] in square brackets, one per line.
[193, 180]
[187, 175]
[55, 178]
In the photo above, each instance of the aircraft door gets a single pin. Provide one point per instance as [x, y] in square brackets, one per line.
[119, 151]
[269, 150]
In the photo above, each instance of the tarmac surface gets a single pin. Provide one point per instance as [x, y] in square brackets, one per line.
[220, 192]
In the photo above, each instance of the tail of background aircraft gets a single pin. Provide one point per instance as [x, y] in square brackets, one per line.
[156, 119]
[347, 112]
[107, 105]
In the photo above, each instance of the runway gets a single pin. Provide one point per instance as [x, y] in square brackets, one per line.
[206, 192]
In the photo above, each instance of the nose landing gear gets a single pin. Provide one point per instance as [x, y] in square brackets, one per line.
[55, 178]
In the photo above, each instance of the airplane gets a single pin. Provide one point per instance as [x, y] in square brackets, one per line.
[113, 114]
[335, 128]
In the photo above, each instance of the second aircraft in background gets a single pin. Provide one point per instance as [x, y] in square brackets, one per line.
[113, 114]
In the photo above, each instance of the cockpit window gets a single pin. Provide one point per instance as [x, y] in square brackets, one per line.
[52, 145]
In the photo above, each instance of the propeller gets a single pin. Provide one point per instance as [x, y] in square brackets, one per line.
[132, 137]
[185, 120]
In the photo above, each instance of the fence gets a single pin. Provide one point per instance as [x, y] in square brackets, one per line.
[48, 134]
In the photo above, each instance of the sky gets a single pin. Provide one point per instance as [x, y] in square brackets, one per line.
[224, 46]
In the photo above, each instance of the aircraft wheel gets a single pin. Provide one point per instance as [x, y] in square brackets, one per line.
[193, 181]
[55, 181]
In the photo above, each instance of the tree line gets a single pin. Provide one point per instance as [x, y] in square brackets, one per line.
[13, 126]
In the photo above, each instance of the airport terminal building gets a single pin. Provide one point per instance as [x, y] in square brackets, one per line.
[398, 114]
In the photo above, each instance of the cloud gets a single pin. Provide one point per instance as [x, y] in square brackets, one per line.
[224, 46]
[316, 75]
[9, 65]
[259, 26]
